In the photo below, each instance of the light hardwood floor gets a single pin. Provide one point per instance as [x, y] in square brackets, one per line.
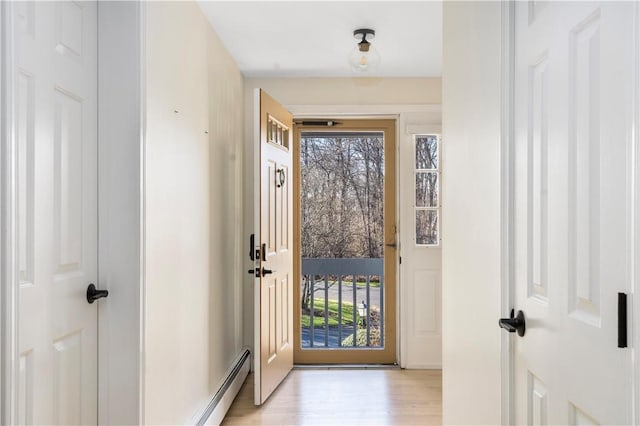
[345, 397]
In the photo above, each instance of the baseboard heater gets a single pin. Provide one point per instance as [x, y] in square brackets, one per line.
[222, 400]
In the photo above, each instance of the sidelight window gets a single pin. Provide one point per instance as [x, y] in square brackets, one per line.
[427, 190]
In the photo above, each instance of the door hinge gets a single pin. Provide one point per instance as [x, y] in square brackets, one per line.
[622, 320]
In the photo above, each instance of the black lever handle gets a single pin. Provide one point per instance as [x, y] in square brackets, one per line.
[256, 272]
[514, 324]
[94, 294]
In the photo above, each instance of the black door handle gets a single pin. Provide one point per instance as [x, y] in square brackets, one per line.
[514, 324]
[256, 272]
[94, 294]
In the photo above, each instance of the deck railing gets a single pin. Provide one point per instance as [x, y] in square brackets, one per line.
[346, 299]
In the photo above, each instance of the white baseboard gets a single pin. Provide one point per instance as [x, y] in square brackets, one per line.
[222, 400]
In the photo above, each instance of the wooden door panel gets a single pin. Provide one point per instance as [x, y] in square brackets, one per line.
[274, 353]
[282, 174]
[285, 313]
[271, 208]
[272, 321]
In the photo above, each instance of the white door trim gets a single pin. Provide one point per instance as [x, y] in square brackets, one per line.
[121, 250]
[8, 223]
[360, 111]
[634, 250]
[507, 356]
[506, 189]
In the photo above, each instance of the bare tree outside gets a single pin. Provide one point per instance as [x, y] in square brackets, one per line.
[342, 191]
[427, 189]
[342, 202]
[343, 195]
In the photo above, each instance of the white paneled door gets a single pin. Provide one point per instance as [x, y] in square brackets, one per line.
[574, 80]
[56, 138]
[273, 258]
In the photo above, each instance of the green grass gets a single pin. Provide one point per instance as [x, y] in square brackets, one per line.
[359, 284]
[318, 320]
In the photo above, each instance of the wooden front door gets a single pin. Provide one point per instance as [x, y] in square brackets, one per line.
[274, 265]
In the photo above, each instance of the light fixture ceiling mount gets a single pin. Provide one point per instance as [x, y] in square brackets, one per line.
[363, 33]
[364, 56]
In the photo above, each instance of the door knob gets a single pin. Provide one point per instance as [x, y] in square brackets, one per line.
[514, 324]
[94, 294]
[266, 271]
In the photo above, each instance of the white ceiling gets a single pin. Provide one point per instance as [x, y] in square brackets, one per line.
[314, 38]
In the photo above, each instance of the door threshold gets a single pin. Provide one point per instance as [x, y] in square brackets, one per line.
[346, 367]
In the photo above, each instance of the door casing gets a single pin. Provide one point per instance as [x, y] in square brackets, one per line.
[8, 225]
[388, 355]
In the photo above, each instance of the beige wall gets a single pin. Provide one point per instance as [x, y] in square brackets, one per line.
[471, 251]
[350, 91]
[193, 323]
[290, 92]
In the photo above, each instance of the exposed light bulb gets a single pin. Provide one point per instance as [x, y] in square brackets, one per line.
[364, 61]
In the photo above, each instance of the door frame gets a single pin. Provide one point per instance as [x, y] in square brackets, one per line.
[391, 111]
[122, 156]
[8, 224]
[336, 355]
[507, 141]
[507, 159]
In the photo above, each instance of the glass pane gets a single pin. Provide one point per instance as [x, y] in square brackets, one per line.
[342, 191]
[427, 227]
[427, 189]
[426, 152]
[342, 225]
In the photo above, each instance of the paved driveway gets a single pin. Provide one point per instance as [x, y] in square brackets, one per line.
[333, 334]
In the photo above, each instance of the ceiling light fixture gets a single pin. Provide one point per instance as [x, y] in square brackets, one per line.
[364, 56]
